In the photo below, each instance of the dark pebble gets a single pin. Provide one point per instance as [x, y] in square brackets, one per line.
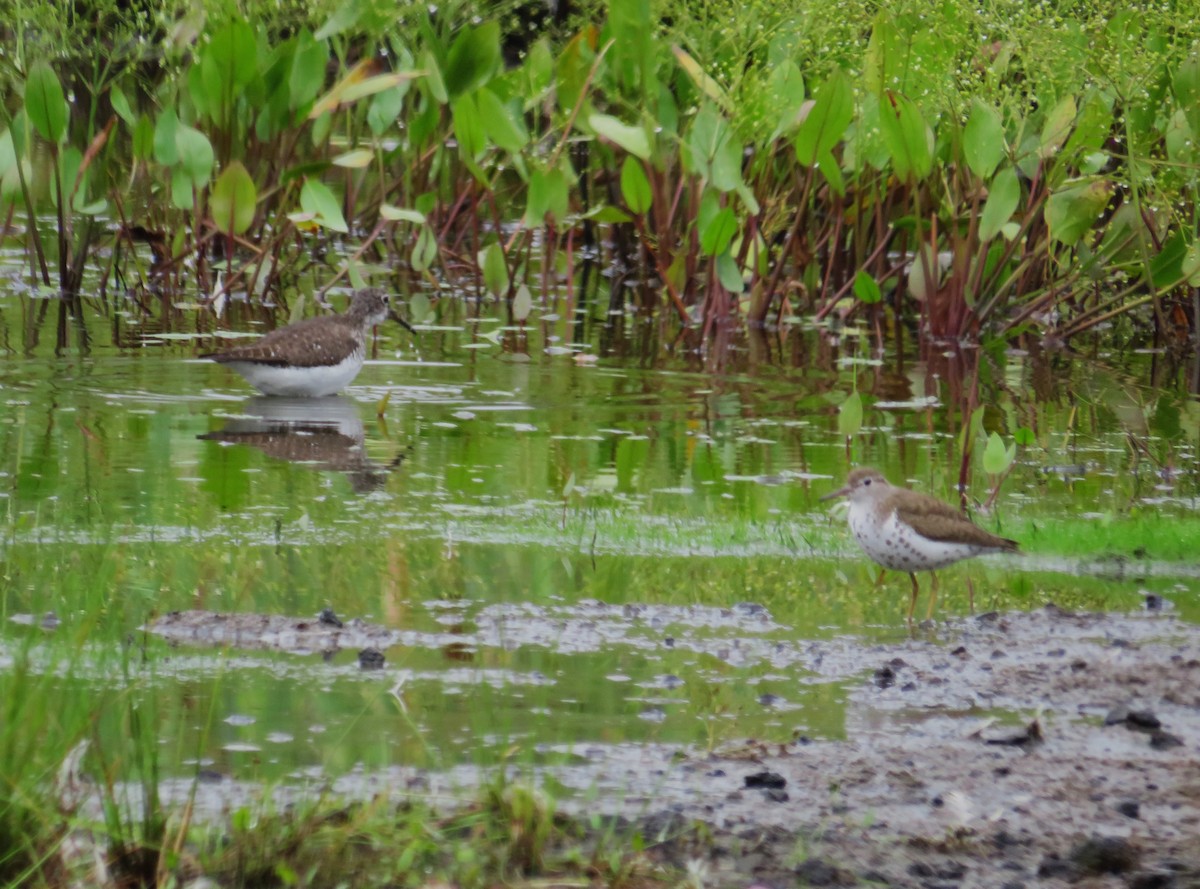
[1160, 740]
[1144, 719]
[715, 773]
[329, 619]
[769, 700]
[1153, 881]
[370, 659]
[771, 780]
[885, 677]
[669, 641]
[1153, 602]
[1079, 665]
[921, 869]
[1054, 868]
[817, 872]
[1129, 808]
[1105, 855]
[961, 651]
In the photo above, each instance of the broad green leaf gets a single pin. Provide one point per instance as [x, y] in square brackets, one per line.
[424, 250]
[468, 128]
[983, 139]
[786, 87]
[522, 303]
[166, 152]
[143, 138]
[1003, 196]
[547, 195]
[718, 234]
[635, 187]
[1166, 268]
[45, 103]
[233, 199]
[1057, 127]
[355, 159]
[495, 272]
[850, 415]
[1024, 437]
[827, 120]
[317, 199]
[729, 274]
[502, 126]
[400, 214]
[1072, 212]
[120, 105]
[997, 458]
[234, 54]
[385, 108]
[195, 154]
[701, 79]
[473, 59]
[909, 139]
[866, 288]
[345, 16]
[1186, 86]
[307, 75]
[632, 139]
[182, 195]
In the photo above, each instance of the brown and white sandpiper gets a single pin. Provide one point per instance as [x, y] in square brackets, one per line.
[315, 357]
[904, 530]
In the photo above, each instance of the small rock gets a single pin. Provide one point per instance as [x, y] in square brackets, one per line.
[1160, 740]
[1105, 855]
[818, 872]
[329, 619]
[1157, 880]
[885, 677]
[764, 779]
[775, 795]
[1130, 808]
[921, 869]
[371, 659]
[1154, 602]
[1142, 719]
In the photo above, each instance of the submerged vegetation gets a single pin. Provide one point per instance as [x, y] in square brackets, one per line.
[985, 170]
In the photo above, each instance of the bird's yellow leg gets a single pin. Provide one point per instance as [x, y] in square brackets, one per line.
[970, 594]
[912, 605]
[879, 579]
[933, 588]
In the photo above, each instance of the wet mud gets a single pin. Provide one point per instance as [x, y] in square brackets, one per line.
[1025, 749]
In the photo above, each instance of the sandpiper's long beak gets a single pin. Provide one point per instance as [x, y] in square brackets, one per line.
[392, 314]
[833, 495]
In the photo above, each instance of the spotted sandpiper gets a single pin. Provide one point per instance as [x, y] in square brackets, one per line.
[315, 357]
[904, 530]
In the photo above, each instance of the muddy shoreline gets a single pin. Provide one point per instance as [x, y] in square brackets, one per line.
[1090, 776]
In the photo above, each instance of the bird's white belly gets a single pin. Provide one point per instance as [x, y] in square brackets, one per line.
[308, 382]
[898, 547]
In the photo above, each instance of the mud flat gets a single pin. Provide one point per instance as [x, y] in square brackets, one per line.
[1001, 750]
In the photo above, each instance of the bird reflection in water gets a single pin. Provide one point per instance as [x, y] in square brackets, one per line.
[323, 433]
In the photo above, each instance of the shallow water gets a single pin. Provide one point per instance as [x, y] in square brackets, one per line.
[618, 551]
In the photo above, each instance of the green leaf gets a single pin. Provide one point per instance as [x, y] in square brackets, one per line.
[997, 458]
[468, 128]
[827, 120]
[1024, 437]
[495, 272]
[717, 235]
[983, 139]
[866, 288]
[1186, 86]
[850, 415]
[1057, 127]
[729, 274]
[233, 199]
[522, 303]
[473, 59]
[143, 138]
[317, 199]
[195, 154]
[355, 159]
[166, 152]
[234, 54]
[425, 250]
[45, 103]
[120, 105]
[385, 108]
[182, 195]
[307, 74]
[399, 214]
[908, 138]
[345, 16]
[1003, 197]
[635, 186]
[1072, 211]
[786, 88]
[502, 126]
[632, 139]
